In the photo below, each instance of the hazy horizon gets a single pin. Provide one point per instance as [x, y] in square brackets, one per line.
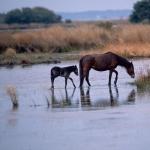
[68, 5]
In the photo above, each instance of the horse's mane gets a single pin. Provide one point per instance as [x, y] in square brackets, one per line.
[70, 67]
[123, 61]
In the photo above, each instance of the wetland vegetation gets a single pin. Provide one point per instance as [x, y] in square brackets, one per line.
[42, 45]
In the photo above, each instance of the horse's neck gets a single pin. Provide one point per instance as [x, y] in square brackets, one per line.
[123, 62]
[69, 69]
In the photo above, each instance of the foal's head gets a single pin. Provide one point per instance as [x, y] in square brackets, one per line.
[130, 70]
[75, 70]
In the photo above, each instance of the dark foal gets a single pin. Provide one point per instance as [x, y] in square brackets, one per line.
[103, 62]
[63, 72]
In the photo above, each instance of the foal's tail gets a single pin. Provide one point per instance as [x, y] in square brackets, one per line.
[51, 73]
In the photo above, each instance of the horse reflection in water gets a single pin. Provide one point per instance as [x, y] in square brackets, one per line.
[86, 99]
[64, 102]
[113, 99]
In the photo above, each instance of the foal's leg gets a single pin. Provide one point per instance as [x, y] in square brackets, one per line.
[66, 78]
[110, 75]
[72, 81]
[52, 81]
[115, 82]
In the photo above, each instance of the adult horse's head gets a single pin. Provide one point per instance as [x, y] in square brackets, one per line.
[130, 70]
[75, 70]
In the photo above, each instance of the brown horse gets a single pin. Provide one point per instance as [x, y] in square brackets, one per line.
[102, 62]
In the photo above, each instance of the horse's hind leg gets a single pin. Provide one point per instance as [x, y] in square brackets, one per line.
[86, 76]
[110, 75]
[81, 80]
[72, 81]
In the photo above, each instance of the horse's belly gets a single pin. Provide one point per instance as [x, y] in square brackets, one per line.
[104, 67]
[100, 68]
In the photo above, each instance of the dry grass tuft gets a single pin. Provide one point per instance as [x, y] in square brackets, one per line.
[10, 53]
[11, 91]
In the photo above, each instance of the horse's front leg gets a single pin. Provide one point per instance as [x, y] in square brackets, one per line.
[115, 82]
[110, 75]
[87, 78]
[72, 82]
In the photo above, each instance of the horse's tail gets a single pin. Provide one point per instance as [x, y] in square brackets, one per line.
[81, 71]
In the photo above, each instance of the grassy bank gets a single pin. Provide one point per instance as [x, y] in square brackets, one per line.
[37, 58]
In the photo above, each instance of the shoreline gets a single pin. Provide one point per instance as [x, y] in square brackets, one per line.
[27, 59]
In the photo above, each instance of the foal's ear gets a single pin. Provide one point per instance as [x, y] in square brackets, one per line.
[131, 63]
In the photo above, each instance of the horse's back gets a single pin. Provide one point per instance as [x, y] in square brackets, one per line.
[100, 62]
[87, 59]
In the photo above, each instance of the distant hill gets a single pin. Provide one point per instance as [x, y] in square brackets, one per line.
[96, 15]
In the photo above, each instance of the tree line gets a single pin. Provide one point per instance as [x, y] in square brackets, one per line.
[30, 15]
[141, 12]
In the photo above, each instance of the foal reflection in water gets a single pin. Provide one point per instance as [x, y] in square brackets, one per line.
[103, 62]
[63, 72]
[63, 102]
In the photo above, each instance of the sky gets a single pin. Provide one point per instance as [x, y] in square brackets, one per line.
[68, 5]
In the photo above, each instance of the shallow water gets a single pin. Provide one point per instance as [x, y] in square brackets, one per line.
[99, 117]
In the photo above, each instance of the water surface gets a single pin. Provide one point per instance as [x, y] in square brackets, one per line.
[99, 117]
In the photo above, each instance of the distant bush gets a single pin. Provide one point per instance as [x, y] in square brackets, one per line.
[31, 15]
[141, 11]
[2, 17]
[68, 21]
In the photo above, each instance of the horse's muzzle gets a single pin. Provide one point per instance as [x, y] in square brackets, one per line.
[133, 76]
[76, 73]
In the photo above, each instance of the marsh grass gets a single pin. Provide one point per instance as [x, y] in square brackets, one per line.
[143, 80]
[130, 49]
[125, 39]
[12, 93]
